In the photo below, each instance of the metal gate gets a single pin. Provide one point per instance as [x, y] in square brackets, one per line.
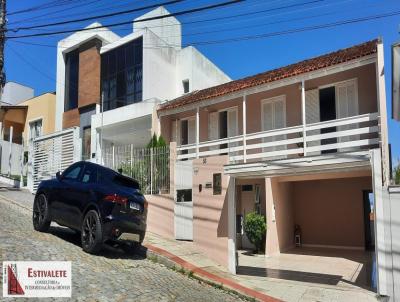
[51, 153]
[183, 209]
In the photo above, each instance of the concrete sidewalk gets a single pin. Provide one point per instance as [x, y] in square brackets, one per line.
[185, 255]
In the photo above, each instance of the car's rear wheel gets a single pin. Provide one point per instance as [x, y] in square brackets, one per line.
[41, 214]
[91, 234]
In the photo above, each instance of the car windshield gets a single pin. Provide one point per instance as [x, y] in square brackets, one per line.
[126, 182]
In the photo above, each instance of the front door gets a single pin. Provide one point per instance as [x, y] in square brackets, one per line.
[327, 106]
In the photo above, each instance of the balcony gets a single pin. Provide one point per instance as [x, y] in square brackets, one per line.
[355, 133]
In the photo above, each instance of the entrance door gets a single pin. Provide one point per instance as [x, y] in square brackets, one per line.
[327, 107]
[369, 232]
[183, 210]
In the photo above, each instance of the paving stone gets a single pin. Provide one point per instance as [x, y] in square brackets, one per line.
[110, 276]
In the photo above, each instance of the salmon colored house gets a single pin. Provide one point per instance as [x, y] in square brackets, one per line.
[304, 145]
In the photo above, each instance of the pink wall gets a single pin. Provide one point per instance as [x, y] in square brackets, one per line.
[160, 215]
[367, 98]
[330, 212]
[279, 228]
[210, 212]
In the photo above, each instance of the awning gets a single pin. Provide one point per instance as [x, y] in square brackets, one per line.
[396, 81]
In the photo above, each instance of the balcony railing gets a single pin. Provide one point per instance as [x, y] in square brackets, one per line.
[340, 135]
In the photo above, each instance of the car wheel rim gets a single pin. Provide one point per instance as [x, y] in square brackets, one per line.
[39, 210]
[89, 230]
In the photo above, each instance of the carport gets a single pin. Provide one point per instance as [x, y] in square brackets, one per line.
[334, 213]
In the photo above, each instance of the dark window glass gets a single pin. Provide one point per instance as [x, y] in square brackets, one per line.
[183, 195]
[71, 80]
[247, 188]
[90, 174]
[72, 173]
[126, 182]
[185, 86]
[217, 187]
[121, 75]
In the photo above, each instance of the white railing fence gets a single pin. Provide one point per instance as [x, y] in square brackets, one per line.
[149, 166]
[340, 135]
[51, 153]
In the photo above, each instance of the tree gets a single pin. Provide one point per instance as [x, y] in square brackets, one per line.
[255, 228]
[397, 174]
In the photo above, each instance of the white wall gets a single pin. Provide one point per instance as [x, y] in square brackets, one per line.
[168, 29]
[394, 195]
[15, 158]
[159, 61]
[192, 65]
[14, 93]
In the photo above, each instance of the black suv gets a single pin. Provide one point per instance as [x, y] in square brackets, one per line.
[101, 204]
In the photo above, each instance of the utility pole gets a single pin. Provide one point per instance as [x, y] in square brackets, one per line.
[2, 43]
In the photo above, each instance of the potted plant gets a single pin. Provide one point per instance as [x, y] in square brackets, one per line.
[255, 227]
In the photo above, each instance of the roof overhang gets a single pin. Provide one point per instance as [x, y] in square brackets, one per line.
[329, 163]
[396, 81]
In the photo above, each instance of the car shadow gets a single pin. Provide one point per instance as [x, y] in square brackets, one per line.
[109, 250]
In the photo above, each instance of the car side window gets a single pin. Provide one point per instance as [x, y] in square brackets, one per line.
[89, 175]
[72, 173]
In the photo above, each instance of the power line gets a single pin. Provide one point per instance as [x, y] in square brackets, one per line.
[43, 6]
[271, 34]
[215, 31]
[184, 12]
[98, 17]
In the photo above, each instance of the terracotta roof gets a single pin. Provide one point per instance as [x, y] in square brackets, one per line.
[334, 58]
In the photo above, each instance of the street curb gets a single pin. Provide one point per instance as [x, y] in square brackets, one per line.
[174, 262]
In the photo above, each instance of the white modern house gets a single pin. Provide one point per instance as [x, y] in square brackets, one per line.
[109, 86]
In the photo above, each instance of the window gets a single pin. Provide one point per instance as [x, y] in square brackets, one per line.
[184, 195]
[35, 129]
[247, 188]
[86, 141]
[71, 80]
[126, 182]
[72, 173]
[217, 186]
[186, 87]
[90, 174]
[121, 75]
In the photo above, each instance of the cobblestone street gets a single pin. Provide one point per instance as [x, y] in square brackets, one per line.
[110, 276]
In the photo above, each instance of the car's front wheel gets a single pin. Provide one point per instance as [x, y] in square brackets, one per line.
[91, 234]
[41, 214]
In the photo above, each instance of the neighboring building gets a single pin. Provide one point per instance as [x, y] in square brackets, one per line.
[302, 145]
[29, 119]
[14, 93]
[113, 84]
[40, 116]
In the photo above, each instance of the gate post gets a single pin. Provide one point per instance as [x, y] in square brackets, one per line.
[232, 225]
[31, 158]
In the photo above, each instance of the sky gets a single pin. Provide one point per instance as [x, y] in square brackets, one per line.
[35, 65]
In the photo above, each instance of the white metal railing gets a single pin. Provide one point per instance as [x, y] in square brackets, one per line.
[350, 133]
[149, 166]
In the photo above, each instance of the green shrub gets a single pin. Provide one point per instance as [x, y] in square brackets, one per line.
[255, 227]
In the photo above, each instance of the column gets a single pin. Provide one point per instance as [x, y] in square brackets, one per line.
[244, 127]
[303, 116]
